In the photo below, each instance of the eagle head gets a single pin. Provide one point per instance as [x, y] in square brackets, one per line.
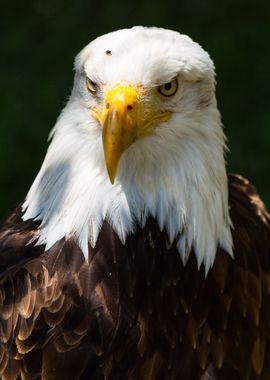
[140, 136]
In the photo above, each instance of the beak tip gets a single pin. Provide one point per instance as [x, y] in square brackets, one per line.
[112, 180]
[111, 176]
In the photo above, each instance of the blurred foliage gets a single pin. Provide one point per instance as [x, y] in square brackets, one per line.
[39, 40]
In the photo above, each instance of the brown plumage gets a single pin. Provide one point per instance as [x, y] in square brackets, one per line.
[134, 311]
[98, 290]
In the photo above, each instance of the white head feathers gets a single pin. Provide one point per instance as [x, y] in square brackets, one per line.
[176, 174]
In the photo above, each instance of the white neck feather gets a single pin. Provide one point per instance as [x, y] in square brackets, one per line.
[184, 188]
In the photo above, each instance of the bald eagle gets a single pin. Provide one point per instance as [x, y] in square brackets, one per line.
[134, 255]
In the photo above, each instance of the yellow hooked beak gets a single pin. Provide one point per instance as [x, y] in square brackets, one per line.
[124, 119]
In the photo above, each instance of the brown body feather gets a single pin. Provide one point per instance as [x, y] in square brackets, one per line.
[134, 311]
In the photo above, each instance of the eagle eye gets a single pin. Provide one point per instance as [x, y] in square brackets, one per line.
[91, 86]
[169, 88]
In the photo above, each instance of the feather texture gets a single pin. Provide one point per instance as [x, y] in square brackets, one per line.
[134, 311]
[170, 174]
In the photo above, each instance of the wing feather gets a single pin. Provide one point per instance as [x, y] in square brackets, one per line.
[134, 311]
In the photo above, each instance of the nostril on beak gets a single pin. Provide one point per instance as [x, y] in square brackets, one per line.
[129, 107]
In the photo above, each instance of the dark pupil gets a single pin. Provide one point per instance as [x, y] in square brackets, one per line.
[167, 86]
[93, 84]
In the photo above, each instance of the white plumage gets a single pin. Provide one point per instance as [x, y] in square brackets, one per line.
[171, 174]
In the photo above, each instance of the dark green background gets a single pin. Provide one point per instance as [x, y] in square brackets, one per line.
[39, 40]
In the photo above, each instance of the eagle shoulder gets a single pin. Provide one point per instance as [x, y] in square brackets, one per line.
[242, 294]
[44, 315]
